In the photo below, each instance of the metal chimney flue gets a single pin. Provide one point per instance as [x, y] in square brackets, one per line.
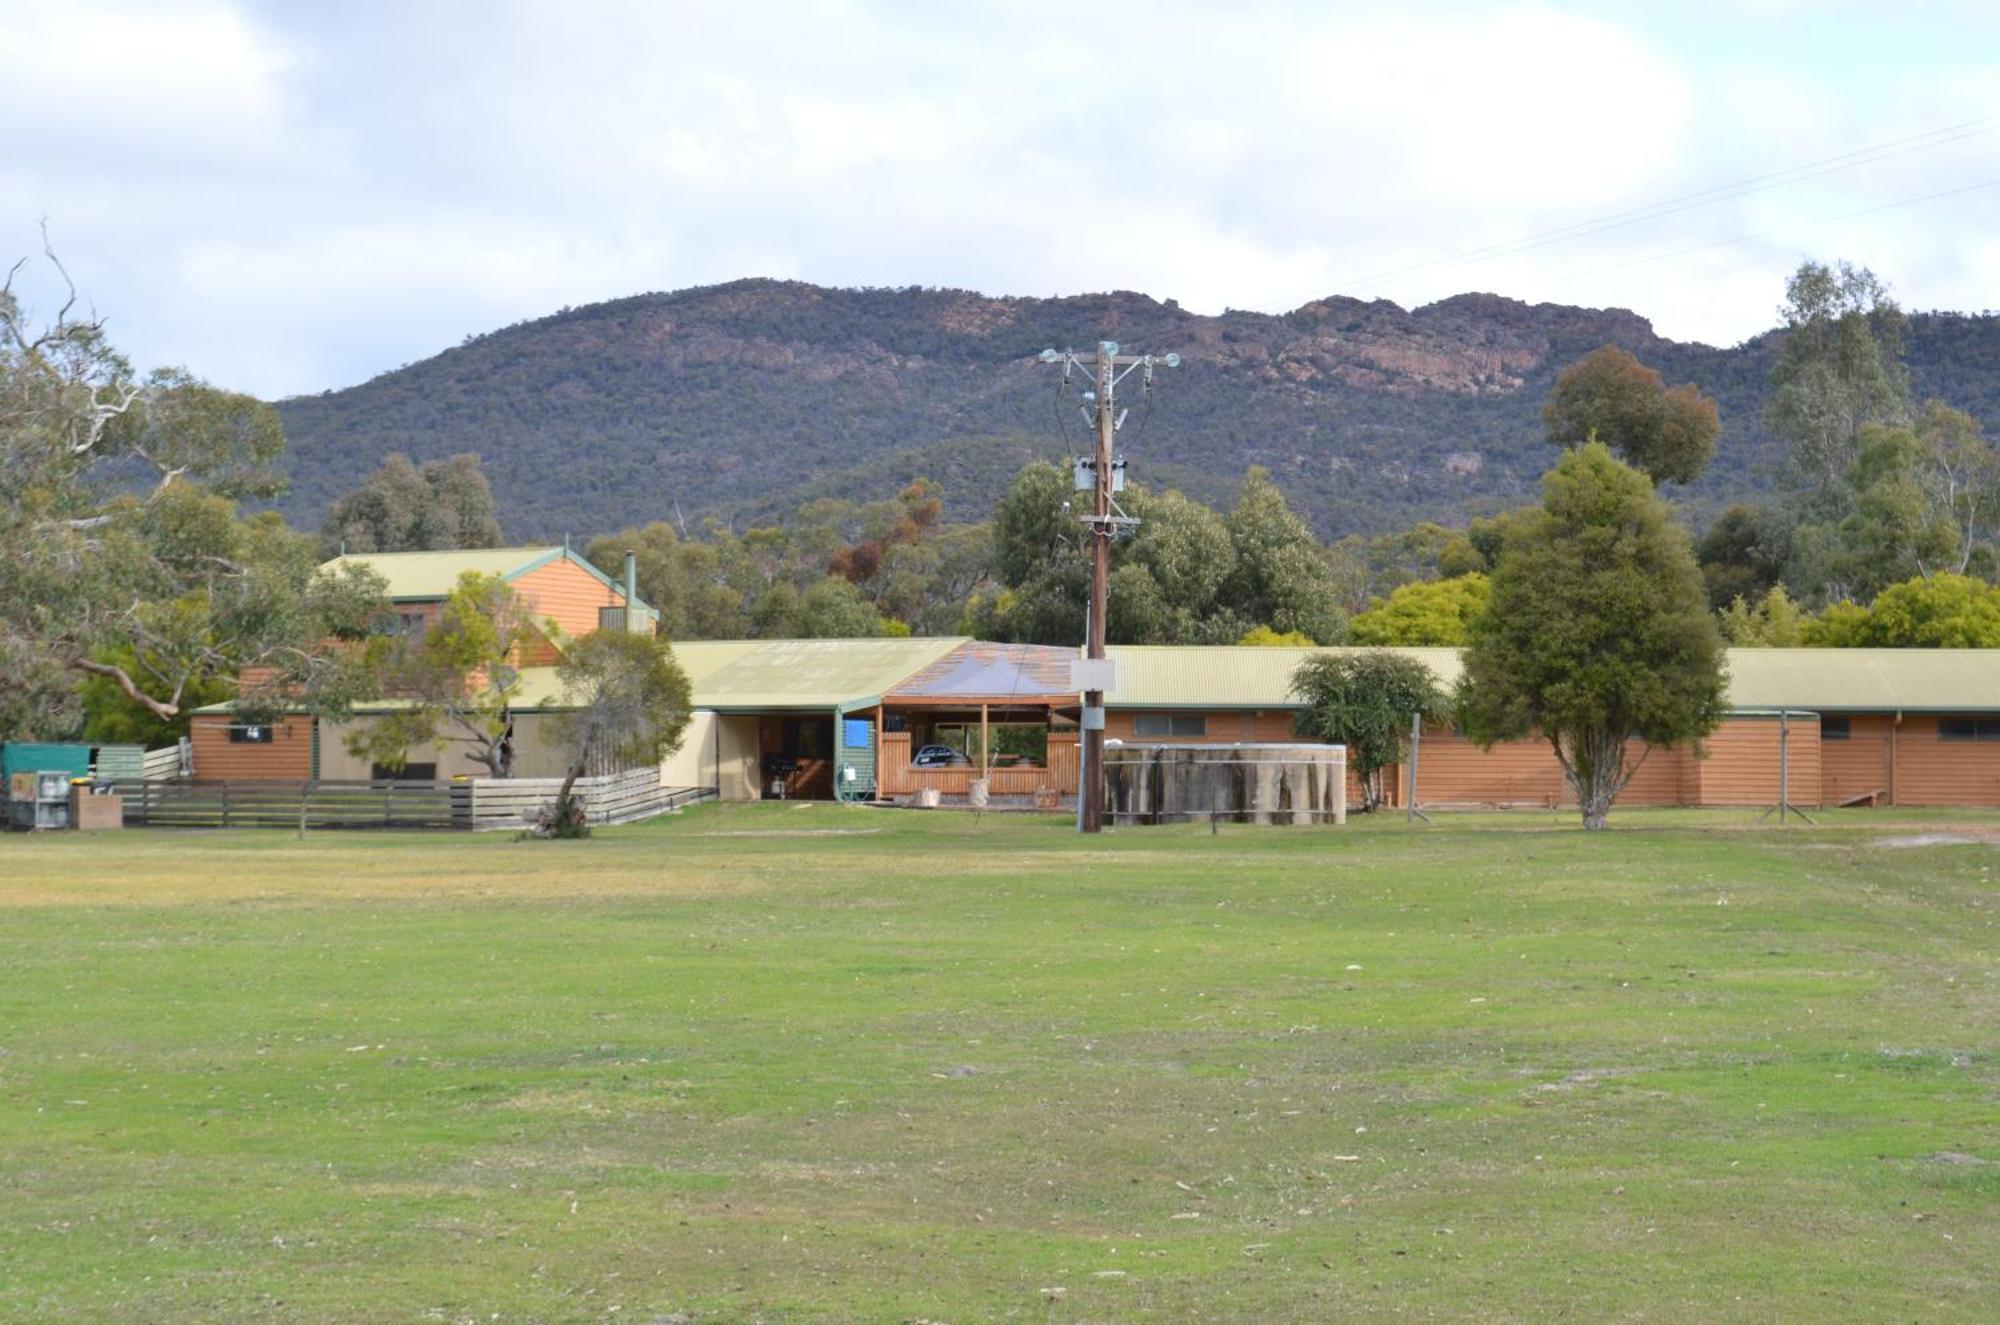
[632, 620]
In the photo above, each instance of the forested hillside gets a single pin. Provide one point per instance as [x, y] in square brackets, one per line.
[739, 401]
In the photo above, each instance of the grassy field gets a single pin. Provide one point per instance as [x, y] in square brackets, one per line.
[783, 1063]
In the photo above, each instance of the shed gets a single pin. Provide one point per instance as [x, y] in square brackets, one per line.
[120, 763]
[43, 757]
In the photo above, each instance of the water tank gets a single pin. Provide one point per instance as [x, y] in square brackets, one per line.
[1271, 783]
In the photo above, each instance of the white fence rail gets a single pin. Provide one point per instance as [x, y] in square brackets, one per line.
[617, 798]
[176, 761]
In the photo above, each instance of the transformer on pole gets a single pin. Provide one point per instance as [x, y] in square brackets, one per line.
[1103, 476]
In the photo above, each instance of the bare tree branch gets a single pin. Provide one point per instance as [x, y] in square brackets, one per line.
[161, 709]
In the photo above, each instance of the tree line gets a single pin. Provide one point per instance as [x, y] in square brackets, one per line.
[137, 588]
[1877, 493]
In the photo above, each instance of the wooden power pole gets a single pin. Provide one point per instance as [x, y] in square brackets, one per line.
[1107, 367]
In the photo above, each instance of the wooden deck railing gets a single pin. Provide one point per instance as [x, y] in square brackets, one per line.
[897, 778]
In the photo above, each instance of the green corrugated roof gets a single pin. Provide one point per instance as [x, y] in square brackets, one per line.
[1227, 675]
[702, 659]
[803, 674]
[425, 575]
[1866, 680]
[435, 574]
[771, 674]
[826, 674]
[1856, 680]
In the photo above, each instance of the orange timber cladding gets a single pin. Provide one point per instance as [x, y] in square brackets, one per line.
[1737, 766]
[572, 596]
[560, 590]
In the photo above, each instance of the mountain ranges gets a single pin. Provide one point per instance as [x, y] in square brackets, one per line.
[738, 402]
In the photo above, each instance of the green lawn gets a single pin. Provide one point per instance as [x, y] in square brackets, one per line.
[791, 1063]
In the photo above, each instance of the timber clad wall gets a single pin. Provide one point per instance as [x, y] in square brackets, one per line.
[1933, 771]
[1657, 781]
[1221, 725]
[1741, 767]
[569, 593]
[1690, 782]
[287, 757]
[1452, 770]
[1859, 765]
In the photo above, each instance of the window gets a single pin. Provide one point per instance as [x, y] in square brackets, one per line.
[808, 738]
[611, 618]
[857, 733]
[402, 622]
[250, 733]
[407, 773]
[1836, 729]
[1969, 729]
[1170, 724]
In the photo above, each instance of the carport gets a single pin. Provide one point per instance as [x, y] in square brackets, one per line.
[800, 719]
[1007, 708]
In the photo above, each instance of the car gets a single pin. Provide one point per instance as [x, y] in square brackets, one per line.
[938, 756]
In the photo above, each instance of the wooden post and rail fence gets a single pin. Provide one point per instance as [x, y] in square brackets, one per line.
[465, 804]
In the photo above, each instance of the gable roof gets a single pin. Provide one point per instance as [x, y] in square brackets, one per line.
[424, 576]
[1029, 673]
[1760, 680]
[1866, 680]
[419, 575]
[807, 674]
[764, 676]
[1213, 676]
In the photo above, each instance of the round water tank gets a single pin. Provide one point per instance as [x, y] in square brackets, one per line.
[1271, 783]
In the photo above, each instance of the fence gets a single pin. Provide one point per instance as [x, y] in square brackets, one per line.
[176, 761]
[470, 803]
[286, 804]
[618, 798]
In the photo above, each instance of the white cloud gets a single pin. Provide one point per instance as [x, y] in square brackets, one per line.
[289, 198]
[118, 84]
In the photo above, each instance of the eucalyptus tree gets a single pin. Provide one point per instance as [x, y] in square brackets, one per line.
[1609, 396]
[1839, 366]
[122, 553]
[625, 701]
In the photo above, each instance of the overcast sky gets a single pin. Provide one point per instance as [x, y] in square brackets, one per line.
[292, 197]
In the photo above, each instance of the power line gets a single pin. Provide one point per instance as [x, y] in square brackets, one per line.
[1798, 174]
[1766, 234]
[1722, 193]
[1106, 368]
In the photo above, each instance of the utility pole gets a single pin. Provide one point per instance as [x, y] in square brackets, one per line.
[1105, 472]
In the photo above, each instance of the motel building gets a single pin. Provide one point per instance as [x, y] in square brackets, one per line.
[891, 719]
